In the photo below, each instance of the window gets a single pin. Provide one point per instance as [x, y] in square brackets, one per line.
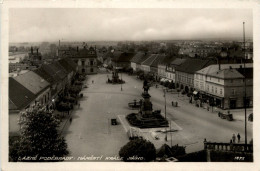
[76, 61]
[91, 63]
[216, 90]
[208, 87]
[212, 89]
[83, 63]
[218, 79]
[221, 91]
[91, 70]
[233, 91]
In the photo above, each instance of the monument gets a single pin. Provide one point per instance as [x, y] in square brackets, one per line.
[115, 78]
[146, 117]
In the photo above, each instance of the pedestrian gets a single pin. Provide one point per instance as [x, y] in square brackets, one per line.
[234, 138]
[238, 137]
[78, 105]
[231, 145]
[92, 81]
[70, 120]
[172, 103]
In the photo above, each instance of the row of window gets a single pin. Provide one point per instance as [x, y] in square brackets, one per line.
[91, 63]
[216, 90]
[184, 79]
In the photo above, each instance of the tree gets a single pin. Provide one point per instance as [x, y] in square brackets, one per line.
[39, 137]
[172, 49]
[63, 106]
[138, 150]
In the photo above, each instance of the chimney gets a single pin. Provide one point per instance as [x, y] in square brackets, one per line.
[31, 50]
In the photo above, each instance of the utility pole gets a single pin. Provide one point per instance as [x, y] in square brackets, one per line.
[121, 82]
[245, 100]
[165, 113]
[171, 133]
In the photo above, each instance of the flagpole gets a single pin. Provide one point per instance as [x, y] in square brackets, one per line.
[245, 100]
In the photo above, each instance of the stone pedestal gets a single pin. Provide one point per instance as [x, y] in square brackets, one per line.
[146, 117]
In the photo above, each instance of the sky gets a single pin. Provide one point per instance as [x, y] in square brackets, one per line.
[53, 24]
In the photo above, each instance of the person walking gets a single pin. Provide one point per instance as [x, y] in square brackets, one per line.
[234, 138]
[231, 145]
[78, 105]
[70, 120]
[92, 81]
[238, 137]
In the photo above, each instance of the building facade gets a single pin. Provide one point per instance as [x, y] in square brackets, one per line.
[226, 88]
[86, 60]
[185, 72]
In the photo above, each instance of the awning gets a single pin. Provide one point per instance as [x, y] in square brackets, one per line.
[195, 92]
[162, 80]
[167, 80]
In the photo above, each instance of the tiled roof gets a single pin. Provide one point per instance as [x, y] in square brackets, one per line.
[33, 82]
[191, 65]
[215, 68]
[140, 57]
[158, 59]
[149, 60]
[65, 65]
[167, 60]
[19, 96]
[227, 74]
[45, 75]
[178, 61]
[62, 73]
[52, 70]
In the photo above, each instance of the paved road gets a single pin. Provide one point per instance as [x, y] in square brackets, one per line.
[90, 132]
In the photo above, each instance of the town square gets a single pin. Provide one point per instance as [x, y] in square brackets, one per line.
[155, 89]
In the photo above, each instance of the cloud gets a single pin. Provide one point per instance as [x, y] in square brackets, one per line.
[27, 25]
